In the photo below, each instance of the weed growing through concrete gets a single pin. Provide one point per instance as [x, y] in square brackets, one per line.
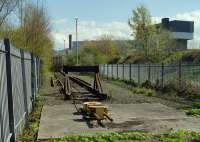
[146, 92]
[194, 110]
[30, 134]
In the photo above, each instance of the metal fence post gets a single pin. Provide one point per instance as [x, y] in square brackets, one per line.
[41, 78]
[38, 73]
[107, 72]
[9, 90]
[33, 80]
[180, 75]
[104, 74]
[102, 70]
[149, 72]
[117, 72]
[130, 73]
[162, 75]
[138, 74]
[123, 72]
[112, 70]
[36, 85]
[24, 87]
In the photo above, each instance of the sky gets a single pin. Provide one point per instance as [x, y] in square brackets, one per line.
[97, 17]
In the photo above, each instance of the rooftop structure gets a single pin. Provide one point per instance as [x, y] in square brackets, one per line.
[181, 32]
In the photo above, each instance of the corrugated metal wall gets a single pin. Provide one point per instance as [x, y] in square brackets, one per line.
[27, 61]
[4, 115]
[18, 93]
[22, 100]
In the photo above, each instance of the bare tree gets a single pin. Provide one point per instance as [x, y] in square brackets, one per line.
[6, 7]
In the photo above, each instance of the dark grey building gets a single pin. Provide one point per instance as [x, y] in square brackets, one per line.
[181, 32]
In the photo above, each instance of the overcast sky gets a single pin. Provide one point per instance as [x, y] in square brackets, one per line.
[97, 17]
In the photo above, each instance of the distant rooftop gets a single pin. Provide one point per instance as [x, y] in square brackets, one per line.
[180, 29]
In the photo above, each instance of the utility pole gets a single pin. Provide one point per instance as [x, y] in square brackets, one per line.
[77, 62]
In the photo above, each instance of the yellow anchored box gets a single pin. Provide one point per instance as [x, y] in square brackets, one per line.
[96, 109]
[86, 105]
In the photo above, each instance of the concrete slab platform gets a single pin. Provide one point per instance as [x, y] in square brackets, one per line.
[59, 120]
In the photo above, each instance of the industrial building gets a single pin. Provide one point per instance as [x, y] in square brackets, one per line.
[181, 32]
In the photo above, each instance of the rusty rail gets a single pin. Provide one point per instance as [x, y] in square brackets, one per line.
[64, 81]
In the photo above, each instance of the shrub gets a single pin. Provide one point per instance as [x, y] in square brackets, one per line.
[196, 105]
[150, 93]
[147, 84]
[193, 112]
[146, 92]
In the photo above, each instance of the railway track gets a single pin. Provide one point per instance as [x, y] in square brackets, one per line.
[79, 89]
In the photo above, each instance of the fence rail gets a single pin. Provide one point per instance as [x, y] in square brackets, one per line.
[19, 82]
[158, 74]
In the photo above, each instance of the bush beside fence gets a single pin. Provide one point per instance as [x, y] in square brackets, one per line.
[19, 82]
[160, 75]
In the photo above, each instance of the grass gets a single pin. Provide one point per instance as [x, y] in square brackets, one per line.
[30, 134]
[196, 105]
[146, 92]
[195, 110]
[132, 86]
[178, 136]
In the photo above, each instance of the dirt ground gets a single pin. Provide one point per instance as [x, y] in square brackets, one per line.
[131, 112]
[122, 95]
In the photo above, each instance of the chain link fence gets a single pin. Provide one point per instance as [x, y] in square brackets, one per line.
[19, 82]
[161, 75]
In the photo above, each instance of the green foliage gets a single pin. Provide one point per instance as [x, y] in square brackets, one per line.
[193, 112]
[70, 60]
[136, 57]
[30, 133]
[147, 84]
[33, 35]
[150, 38]
[192, 56]
[101, 51]
[178, 136]
[196, 105]
[174, 56]
[140, 23]
[146, 92]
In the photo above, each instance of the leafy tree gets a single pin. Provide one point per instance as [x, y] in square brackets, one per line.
[142, 27]
[103, 50]
[33, 35]
[70, 60]
[152, 39]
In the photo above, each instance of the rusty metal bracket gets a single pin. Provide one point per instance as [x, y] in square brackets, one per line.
[97, 86]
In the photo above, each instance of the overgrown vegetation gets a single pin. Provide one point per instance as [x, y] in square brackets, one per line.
[101, 51]
[146, 92]
[151, 43]
[195, 110]
[178, 136]
[32, 33]
[30, 134]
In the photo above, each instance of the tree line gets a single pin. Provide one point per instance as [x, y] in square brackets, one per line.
[31, 32]
[151, 43]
